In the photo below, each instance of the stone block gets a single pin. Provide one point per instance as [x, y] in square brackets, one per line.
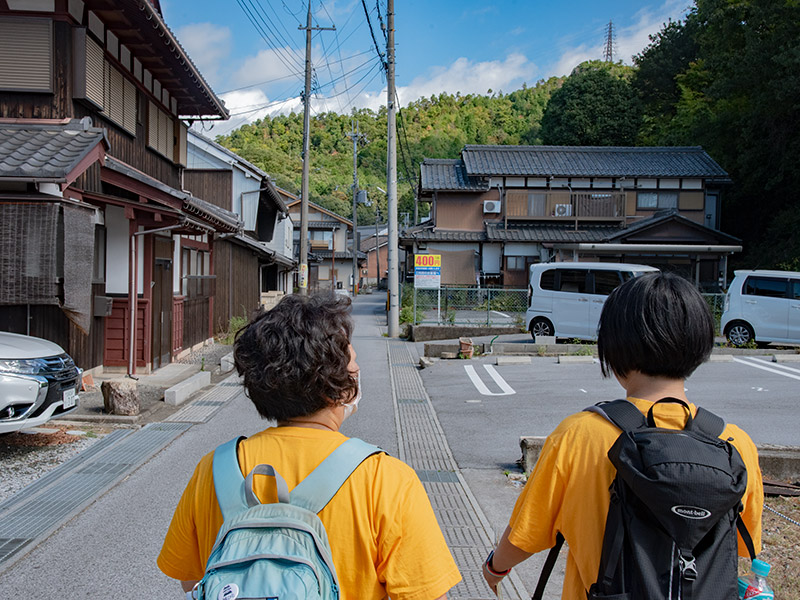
[226, 363]
[180, 393]
[120, 397]
[780, 358]
[545, 339]
[581, 359]
[512, 360]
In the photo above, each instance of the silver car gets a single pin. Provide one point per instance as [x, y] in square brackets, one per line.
[38, 381]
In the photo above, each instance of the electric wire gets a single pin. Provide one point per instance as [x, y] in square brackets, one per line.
[261, 32]
[372, 33]
[276, 34]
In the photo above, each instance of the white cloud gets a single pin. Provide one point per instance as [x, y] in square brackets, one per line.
[470, 77]
[629, 40]
[246, 106]
[209, 47]
[270, 65]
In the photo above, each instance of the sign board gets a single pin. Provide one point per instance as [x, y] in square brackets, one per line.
[427, 271]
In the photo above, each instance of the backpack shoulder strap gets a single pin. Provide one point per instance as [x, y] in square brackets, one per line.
[316, 490]
[621, 413]
[707, 422]
[228, 479]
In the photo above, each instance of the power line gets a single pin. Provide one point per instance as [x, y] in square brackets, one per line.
[279, 53]
[372, 33]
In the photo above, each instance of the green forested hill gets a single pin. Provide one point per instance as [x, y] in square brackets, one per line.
[435, 127]
[727, 78]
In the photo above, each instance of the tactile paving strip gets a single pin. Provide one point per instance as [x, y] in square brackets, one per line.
[202, 409]
[424, 447]
[28, 517]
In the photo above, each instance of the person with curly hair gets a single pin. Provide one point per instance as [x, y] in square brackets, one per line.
[300, 372]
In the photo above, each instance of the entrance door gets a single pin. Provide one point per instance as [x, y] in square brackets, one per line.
[162, 303]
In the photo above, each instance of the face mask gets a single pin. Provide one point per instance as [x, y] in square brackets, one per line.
[352, 406]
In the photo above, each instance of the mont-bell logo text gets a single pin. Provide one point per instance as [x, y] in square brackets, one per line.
[691, 512]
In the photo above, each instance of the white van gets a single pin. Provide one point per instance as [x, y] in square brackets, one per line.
[565, 299]
[762, 307]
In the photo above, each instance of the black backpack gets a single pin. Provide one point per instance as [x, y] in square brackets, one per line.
[674, 511]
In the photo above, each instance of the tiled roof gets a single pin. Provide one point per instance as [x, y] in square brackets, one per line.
[368, 243]
[343, 255]
[430, 235]
[590, 161]
[448, 175]
[46, 151]
[224, 218]
[670, 214]
[495, 232]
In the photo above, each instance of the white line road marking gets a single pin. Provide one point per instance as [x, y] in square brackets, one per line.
[584, 391]
[754, 363]
[481, 387]
[499, 380]
[501, 314]
[777, 365]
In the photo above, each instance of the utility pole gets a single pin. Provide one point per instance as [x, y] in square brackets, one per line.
[355, 136]
[303, 274]
[391, 178]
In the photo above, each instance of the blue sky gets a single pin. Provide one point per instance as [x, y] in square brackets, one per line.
[251, 51]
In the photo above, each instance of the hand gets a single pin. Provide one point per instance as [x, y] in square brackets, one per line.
[492, 580]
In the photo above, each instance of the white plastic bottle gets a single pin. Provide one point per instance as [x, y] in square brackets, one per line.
[755, 586]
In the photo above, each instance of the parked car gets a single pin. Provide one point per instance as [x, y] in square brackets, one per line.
[565, 299]
[38, 381]
[762, 306]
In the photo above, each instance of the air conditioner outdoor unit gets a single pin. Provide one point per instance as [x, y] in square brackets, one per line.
[491, 206]
[563, 210]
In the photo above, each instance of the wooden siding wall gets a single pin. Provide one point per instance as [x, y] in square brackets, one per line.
[134, 151]
[50, 323]
[117, 334]
[213, 186]
[57, 105]
[195, 321]
[462, 212]
[237, 292]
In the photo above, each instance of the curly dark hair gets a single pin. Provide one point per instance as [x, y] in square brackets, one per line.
[294, 357]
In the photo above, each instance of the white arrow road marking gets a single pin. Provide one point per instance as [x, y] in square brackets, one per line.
[754, 363]
[481, 387]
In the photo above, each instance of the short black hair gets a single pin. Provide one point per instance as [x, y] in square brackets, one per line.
[657, 324]
[294, 357]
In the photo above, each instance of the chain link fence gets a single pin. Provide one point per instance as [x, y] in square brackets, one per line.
[465, 306]
[716, 302]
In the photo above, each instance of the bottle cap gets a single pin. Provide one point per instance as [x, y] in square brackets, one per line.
[760, 567]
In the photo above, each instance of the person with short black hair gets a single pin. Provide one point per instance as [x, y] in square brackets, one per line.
[654, 331]
[299, 370]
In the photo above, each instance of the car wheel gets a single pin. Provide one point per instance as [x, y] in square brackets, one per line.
[541, 327]
[740, 334]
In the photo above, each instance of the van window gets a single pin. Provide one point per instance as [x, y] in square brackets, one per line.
[796, 290]
[573, 280]
[548, 280]
[764, 286]
[606, 281]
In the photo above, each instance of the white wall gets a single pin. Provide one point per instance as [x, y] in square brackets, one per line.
[521, 249]
[117, 244]
[492, 258]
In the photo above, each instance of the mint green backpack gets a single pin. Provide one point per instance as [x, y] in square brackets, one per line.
[279, 550]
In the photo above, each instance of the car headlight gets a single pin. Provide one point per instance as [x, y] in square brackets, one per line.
[22, 366]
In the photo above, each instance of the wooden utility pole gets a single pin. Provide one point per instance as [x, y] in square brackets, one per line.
[302, 280]
[391, 179]
[355, 136]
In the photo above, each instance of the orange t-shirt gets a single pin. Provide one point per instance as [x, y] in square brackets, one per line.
[383, 533]
[568, 491]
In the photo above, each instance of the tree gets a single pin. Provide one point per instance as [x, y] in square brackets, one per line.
[594, 107]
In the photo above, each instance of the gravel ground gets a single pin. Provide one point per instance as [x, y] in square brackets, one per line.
[25, 457]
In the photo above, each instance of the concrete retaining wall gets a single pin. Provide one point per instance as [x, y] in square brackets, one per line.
[777, 462]
[424, 333]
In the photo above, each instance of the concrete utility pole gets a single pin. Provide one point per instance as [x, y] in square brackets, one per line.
[302, 280]
[355, 136]
[391, 178]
